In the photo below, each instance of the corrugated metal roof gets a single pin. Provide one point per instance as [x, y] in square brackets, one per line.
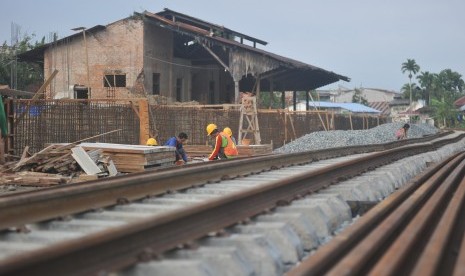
[381, 106]
[323, 76]
[352, 107]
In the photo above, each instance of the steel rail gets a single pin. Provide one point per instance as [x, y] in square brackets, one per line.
[409, 233]
[145, 239]
[27, 207]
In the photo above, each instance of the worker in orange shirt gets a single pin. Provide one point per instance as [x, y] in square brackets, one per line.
[224, 147]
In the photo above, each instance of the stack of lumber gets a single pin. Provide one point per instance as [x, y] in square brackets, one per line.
[249, 150]
[134, 158]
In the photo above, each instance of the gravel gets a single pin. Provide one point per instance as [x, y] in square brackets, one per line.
[341, 138]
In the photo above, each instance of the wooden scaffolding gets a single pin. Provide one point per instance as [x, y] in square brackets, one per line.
[250, 124]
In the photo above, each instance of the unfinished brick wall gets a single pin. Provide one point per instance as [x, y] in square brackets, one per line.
[117, 50]
[59, 121]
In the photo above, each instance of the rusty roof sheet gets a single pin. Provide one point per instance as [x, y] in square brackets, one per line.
[326, 77]
[381, 106]
[293, 74]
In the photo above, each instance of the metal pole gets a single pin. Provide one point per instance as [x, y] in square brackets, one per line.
[87, 65]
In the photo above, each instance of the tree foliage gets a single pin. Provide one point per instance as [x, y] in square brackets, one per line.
[439, 90]
[358, 97]
[412, 68]
[20, 75]
[443, 113]
[406, 88]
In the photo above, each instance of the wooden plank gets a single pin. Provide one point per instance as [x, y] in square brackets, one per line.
[123, 148]
[112, 171]
[83, 159]
[31, 159]
[37, 95]
[25, 153]
[144, 122]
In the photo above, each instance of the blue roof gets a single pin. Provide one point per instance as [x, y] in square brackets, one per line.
[352, 107]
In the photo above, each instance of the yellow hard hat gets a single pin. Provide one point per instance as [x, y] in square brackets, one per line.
[152, 142]
[211, 128]
[228, 131]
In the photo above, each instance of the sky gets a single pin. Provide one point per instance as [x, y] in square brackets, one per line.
[365, 40]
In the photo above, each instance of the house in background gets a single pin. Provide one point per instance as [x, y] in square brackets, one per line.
[172, 55]
[378, 99]
[398, 106]
[370, 94]
[460, 104]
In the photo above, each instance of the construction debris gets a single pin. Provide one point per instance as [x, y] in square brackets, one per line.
[77, 162]
[33, 179]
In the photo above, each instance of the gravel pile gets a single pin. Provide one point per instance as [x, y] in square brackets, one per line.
[341, 138]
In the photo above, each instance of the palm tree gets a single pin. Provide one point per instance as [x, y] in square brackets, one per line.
[426, 80]
[412, 68]
[410, 90]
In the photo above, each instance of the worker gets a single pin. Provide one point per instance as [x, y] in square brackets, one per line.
[228, 131]
[177, 142]
[401, 133]
[224, 147]
[152, 142]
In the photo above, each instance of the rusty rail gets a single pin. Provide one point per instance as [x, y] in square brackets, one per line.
[416, 231]
[22, 208]
[146, 239]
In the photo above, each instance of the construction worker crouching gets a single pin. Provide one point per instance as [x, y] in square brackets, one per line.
[224, 147]
[177, 142]
[228, 131]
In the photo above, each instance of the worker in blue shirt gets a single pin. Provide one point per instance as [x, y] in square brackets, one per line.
[177, 143]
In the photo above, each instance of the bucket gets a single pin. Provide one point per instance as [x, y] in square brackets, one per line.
[245, 142]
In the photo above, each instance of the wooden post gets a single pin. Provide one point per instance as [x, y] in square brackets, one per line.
[333, 124]
[318, 112]
[327, 121]
[144, 122]
[285, 126]
[350, 120]
[283, 99]
[2, 153]
[292, 125]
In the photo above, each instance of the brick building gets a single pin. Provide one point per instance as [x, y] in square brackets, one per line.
[172, 55]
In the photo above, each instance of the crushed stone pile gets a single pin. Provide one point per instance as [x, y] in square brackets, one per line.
[341, 138]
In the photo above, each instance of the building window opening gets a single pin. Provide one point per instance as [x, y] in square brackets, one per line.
[114, 81]
[156, 84]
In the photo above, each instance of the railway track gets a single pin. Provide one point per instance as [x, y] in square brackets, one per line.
[417, 231]
[145, 221]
